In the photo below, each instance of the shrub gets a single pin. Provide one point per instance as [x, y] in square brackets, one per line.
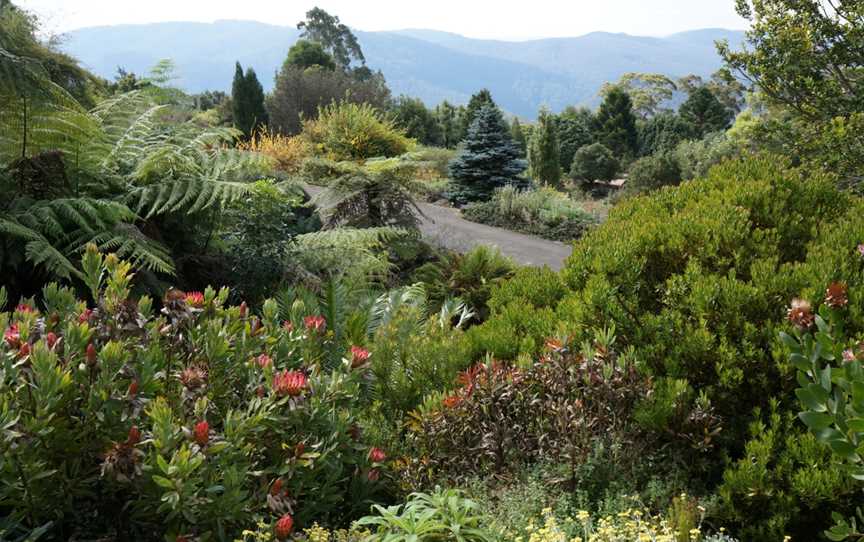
[544, 212]
[652, 172]
[694, 279]
[120, 421]
[695, 158]
[349, 131]
[594, 162]
[288, 153]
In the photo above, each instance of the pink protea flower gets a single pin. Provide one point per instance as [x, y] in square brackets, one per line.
[290, 383]
[264, 361]
[359, 356]
[315, 323]
[24, 307]
[12, 336]
[51, 339]
[202, 433]
[195, 299]
[284, 527]
[377, 455]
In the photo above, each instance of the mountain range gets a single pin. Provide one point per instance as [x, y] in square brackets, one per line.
[429, 64]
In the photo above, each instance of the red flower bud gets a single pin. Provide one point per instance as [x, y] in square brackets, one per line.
[91, 354]
[195, 299]
[85, 316]
[134, 436]
[284, 527]
[373, 475]
[377, 455]
[24, 351]
[51, 339]
[244, 309]
[133, 388]
[202, 433]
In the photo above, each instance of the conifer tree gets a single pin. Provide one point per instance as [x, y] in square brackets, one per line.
[518, 135]
[544, 152]
[247, 101]
[477, 101]
[615, 124]
[488, 158]
[704, 112]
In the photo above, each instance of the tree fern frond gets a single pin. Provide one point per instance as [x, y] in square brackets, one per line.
[41, 252]
[130, 244]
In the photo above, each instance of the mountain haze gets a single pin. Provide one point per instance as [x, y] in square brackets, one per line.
[429, 64]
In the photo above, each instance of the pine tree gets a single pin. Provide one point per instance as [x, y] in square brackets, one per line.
[477, 101]
[488, 158]
[615, 124]
[704, 112]
[247, 101]
[544, 152]
[518, 135]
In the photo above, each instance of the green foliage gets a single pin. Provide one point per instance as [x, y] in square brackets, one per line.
[335, 37]
[108, 432]
[594, 162]
[615, 124]
[649, 91]
[544, 212]
[349, 131]
[418, 122]
[305, 54]
[696, 157]
[518, 135]
[653, 172]
[487, 158]
[704, 112]
[247, 101]
[544, 151]
[448, 118]
[574, 132]
[444, 515]
[477, 102]
[663, 132]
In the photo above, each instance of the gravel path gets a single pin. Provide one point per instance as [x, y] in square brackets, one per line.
[444, 226]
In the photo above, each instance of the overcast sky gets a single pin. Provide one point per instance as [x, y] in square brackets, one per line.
[503, 19]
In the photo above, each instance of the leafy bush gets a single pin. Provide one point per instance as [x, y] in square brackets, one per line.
[349, 131]
[199, 421]
[544, 212]
[695, 158]
[693, 279]
[288, 153]
[594, 162]
[652, 172]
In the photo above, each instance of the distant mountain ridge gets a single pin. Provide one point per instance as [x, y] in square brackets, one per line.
[432, 65]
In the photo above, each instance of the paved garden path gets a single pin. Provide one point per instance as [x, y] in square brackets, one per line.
[444, 226]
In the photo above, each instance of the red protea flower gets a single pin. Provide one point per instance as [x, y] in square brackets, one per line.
[276, 488]
[800, 314]
[315, 323]
[264, 361]
[373, 475]
[288, 326]
[202, 433]
[377, 455]
[837, 295]
[195, 299]
[24, 351]
[284, 527]
[12, 336]
[91, 354]
[359, 356]
[133, 388]
[85, 316]
[244, 310]
[23, 307]
[134, 436]
[289, 383]
[51, 339]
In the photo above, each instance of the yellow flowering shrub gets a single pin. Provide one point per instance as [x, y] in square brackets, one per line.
[288, 153]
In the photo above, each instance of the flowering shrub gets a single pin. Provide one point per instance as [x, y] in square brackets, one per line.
[287, 152]
[191, 422]
[348, 131]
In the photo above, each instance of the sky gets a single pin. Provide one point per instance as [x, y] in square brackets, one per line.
[487, 19]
